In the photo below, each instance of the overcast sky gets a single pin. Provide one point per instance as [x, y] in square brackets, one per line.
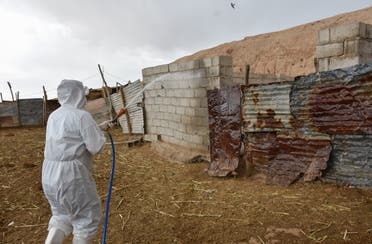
[45, 41]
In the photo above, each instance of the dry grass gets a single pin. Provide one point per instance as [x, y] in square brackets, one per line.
[154, 200]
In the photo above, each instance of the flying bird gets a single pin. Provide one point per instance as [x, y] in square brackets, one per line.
[232, 5]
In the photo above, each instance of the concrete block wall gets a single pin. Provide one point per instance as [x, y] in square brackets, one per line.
[343, 46]
[176, 99]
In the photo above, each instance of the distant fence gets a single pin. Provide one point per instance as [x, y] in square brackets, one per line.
[26, 112]
[35, 112]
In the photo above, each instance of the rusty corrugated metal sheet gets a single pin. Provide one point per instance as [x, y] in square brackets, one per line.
[299, 156]
[261, 148]
[224, 130]
[266, 107]
[334, 102]
[134, 97]
[351, 160]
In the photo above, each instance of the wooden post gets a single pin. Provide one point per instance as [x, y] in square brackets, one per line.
[129, 124]
[11, 91]
[45, 102]
[112, 109]
[247, 69]
[1, 97]
[18, 109]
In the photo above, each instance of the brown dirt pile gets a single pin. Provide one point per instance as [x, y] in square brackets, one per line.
[289, 52]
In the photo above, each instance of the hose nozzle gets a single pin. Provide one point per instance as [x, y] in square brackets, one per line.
[120, 113]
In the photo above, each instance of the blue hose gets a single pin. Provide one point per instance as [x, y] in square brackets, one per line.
[110, 189]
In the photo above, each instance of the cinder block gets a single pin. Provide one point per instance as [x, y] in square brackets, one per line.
[201, 112]
[194, 64]
[204, 102]
[180, 110]
[213, 71]
[322, 64]
[222, 60]
[323, 36]
[330, 50]
[225, 81]
[343, 62]
[164, 108]
[155, 70]
[158, 100]
[171, 109]
[348, 31]
[200, 92]
[195, 102]
[369, 31]
[190, 112]
[151, 137]
[194, 83]
[184, 102]
[164, 123]
[214, 82]
[186, 119]
[226, 71]
[176, 118]
[205, 62]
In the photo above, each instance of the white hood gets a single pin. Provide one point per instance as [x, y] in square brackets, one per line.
[72, 92]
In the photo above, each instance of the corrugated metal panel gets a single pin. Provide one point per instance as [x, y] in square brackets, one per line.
[99, 109]
[334, 102]
[266, 107]
[299, 156]
[351, 160]
[134, 97]
[31, 111]
[261, 149]
[224, 130]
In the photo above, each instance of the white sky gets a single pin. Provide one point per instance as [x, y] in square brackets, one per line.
[45, 41]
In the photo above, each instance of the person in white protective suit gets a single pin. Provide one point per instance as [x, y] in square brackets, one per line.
[72, 138]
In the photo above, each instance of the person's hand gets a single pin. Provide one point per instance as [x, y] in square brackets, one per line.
[105, 125]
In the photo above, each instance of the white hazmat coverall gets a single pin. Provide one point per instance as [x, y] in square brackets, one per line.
[72, 138]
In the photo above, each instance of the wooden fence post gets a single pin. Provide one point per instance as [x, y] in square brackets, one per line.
[246, 78]
[11, 91]
[18, 109]
[45, 101]
[112, 109]
[129, 124]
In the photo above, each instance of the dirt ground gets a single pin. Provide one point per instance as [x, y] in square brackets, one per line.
[157, 201]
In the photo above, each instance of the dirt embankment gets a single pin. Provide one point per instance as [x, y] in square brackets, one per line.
[289, 52]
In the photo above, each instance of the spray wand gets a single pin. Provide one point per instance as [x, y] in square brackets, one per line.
[120, 113]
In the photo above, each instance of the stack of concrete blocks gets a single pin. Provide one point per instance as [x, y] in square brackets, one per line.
[176, 106]
[343, 46]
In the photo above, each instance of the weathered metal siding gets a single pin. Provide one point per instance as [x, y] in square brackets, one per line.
[334, 102]
[99, 109]
[266, 107]
[31, 111]
[224, 130]
[299, 157]
[134, 104]
[261, 149]
[351, 160]
[8, 114]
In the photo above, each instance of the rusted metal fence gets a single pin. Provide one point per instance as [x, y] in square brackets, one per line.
[320, 123]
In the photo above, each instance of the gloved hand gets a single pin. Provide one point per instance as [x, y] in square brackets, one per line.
[105, 125]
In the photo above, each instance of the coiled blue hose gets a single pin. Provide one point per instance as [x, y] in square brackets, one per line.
[110, 189]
